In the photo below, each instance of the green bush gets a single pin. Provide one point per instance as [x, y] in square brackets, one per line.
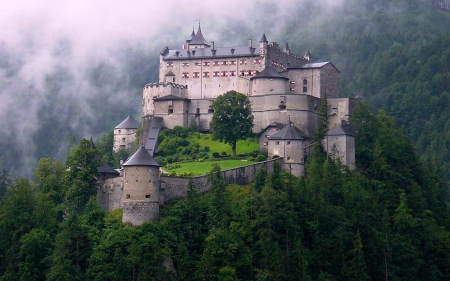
[261, 157]
[216, 154]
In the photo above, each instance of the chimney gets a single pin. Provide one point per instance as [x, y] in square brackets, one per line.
[212, 45]
[250, 43]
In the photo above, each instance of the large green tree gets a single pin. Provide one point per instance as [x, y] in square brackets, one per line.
[232, 119]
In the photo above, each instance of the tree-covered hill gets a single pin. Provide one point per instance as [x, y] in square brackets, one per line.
[389, 220]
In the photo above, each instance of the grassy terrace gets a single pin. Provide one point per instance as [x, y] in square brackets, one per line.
[202, 168]
[242, 146]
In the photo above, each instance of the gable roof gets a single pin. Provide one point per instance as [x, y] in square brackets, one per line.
[340, 131]
[141, 158]
[128, 123]
[269, 72]
[289, 132]
[170, 73]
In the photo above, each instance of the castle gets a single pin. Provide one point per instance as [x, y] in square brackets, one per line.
[284, 89]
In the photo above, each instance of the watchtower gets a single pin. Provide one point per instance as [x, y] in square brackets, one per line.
[141, 188]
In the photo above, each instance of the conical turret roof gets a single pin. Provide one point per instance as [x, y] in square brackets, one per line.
[128, 123]
[263, 38]
[269, 72]
[198, 38]
[289, 132]
[141, 158]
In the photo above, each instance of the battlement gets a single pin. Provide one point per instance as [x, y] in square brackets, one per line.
[164, 84]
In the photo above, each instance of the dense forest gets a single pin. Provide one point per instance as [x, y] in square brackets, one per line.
[388, 220]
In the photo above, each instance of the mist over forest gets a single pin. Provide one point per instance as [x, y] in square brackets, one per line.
[74, 70]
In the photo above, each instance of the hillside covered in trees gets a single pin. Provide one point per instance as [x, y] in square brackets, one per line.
[389, 220]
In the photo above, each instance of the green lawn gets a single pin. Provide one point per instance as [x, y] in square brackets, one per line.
[202, 168]
[242, 146]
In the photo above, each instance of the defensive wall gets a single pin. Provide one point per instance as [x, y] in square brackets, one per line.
[110, 190]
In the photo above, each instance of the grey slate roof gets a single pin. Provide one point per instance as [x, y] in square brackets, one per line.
[141, 158]
[152, 137]
[198, 38]
[170, 73]
[169, 97]
[106, 169]
[222, 52]
[263, 38]
[269, 72]
[340, 131]
[289, 132]
[128, 123]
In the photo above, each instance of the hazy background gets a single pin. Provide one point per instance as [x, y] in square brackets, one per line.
[75, 69]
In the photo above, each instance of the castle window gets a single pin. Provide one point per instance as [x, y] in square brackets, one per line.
[216, 74]
[169, 64]
[253, 72]
[197, 111]
[185, 75]
[224, 62]
[147, 196]
[205, 75]
[233, 62]
[170, 111]
[224, 74]
[185, 64]
[257, 61]
[291, 82]
[206, 63]
[288, 158]
[123, 139]
[122, 146]
[196, 74]
[305, 89]
[305, 82]
[211, 110]
[291, 89]
[277, 143]
[119, 131]
[233, 73]
[128, 196]
[334, 111]
[282, 106]
[282, 99]
[216, 63]
[197, 64]
[265, 143]
[242, 62]
[289, 142]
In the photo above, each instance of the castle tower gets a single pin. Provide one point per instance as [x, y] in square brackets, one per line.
[340, 143]
[289, 143]
[141, 188]
[268, 81]
[197, 41]
[125, 133]
[263, 48]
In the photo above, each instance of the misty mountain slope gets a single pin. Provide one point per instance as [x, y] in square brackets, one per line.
[58, 82]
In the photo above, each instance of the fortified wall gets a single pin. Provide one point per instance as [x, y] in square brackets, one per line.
[110, 193]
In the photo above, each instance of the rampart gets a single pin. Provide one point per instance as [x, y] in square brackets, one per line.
[110, 191]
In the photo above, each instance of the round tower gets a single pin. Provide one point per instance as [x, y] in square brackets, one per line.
[289, 143]
[141, 188]
[263, 49]
[268, 81]
[125, 133]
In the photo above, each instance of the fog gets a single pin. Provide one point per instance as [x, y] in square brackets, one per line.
[76, 68]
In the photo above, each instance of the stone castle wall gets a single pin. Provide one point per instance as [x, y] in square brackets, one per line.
[110, 193]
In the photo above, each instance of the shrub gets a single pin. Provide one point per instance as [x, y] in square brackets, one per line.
[250, 158]
[261, 157]
[216, 154]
